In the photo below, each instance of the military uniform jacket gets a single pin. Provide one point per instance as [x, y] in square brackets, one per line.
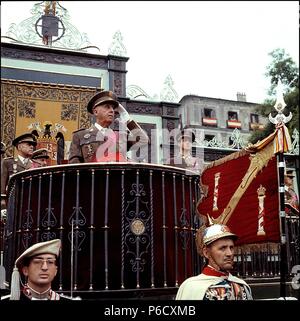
[10, 166]
[199, 287]
[85, 142]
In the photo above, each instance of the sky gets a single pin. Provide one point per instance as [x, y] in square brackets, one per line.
[209, 48]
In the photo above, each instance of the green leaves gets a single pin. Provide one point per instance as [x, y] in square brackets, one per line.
[284, 68]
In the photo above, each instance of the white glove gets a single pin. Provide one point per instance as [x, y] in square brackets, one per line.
[3, 215]
[124, 116]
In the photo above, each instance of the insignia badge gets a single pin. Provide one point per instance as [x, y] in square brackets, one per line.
[87, 136]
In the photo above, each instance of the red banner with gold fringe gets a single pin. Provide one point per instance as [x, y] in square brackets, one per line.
[241, 191]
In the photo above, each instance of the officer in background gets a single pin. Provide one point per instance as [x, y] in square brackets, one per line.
[3, 148]
[100, 143]
[40, 157]
[24, 145]
[38, 265]
[291, 197]
[184, 158]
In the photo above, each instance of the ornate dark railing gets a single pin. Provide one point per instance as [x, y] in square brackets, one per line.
[132, 225]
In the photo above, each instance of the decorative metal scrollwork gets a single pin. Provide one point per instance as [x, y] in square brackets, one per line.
[137, 228]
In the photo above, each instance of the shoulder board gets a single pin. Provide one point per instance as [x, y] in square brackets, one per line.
[78, 130]
[5, 297]
[7, 158]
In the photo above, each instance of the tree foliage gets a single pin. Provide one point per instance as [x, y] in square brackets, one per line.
[284, 68]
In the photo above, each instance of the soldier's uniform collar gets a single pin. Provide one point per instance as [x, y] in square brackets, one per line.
[31, 294]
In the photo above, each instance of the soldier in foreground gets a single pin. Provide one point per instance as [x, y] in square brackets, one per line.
[215, 282]
[38, 265]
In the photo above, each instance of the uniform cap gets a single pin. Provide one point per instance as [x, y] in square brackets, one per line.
[102, 97]
[48, 247]
[24, 138]
[40, 153]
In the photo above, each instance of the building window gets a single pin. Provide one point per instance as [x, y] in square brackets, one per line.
[232, 115]
[209, 117]
[209, 113]
[254, 118]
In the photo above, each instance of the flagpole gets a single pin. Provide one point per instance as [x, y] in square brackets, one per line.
[282, 143]
[282, 215]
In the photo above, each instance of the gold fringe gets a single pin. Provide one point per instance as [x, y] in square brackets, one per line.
[274, 248]
[227, 158]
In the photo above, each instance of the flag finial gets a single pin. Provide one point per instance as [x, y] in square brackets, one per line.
[280, 104]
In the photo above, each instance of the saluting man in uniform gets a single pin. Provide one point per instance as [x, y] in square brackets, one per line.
[215, 282]
[25, 145]
[39, 158]
[38, 265]
[100, 143]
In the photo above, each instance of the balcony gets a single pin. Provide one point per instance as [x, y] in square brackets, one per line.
[233, 123]
[207, 121]
[256, 126]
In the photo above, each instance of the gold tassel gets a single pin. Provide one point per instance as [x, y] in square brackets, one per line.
[15, 285]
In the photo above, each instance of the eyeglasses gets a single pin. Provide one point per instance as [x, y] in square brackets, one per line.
[40, 262]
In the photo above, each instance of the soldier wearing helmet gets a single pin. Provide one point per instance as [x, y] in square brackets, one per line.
[216, 244]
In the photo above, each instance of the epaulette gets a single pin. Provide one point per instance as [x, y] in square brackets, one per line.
[78, 130]
[10, 157]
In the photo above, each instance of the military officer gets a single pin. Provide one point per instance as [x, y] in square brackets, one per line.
[291, 198]
[215, 282]
[24, 145]
[39, 157]
[101, 143]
